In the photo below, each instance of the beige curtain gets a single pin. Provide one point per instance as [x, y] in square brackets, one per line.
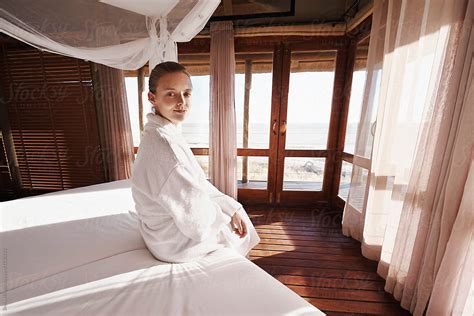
[114, 122]
[410, 201]
[223, 143]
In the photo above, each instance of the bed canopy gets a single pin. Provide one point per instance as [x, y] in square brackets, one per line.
[118, 33]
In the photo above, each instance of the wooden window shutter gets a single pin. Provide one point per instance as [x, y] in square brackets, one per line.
[52, 116]
[7, 190]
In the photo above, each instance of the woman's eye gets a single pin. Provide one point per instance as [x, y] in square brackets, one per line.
[187, 94]
[170, 94]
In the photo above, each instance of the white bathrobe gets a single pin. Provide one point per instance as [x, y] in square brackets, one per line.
[182, 215]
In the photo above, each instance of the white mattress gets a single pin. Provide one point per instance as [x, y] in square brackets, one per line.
[79, 251]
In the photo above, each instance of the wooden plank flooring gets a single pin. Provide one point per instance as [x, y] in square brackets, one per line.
[305, 250]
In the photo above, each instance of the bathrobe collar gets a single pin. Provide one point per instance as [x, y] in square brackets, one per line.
[157, 120]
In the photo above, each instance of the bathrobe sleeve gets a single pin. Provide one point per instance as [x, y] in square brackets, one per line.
[226, 203]
[195, 214]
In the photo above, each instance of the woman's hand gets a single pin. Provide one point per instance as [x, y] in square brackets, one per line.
[238, 225]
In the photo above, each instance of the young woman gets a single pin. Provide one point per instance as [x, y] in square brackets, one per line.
[182, 215]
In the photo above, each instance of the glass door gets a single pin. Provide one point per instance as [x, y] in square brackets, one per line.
[305, 146]
[253, 107]
[286, 113]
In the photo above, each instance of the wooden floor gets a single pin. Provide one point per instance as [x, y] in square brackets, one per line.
[305, 250]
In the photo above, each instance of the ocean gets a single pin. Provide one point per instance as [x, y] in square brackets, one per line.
[298, 136]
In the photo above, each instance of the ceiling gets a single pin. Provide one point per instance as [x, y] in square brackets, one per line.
[251, 13]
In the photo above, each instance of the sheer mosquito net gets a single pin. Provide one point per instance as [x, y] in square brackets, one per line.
[122, 34]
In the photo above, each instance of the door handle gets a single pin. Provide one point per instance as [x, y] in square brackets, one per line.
[274, 127]
[372, 128]
[283, 128]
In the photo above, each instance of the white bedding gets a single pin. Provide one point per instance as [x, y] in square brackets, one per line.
[79, 251]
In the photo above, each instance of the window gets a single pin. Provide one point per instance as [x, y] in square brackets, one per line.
[303, 173]
[310, 99]
[345, 182]
[253, 104]
[357, 93]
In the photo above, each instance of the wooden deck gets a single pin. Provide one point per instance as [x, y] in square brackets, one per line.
[305, 250]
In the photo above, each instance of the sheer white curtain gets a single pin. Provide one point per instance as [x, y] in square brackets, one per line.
[410, 200]
[116, 33]
[223, 139]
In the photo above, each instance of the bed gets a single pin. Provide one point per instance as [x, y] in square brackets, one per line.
[79, 251]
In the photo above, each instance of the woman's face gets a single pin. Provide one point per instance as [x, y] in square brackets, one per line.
[172, 98]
